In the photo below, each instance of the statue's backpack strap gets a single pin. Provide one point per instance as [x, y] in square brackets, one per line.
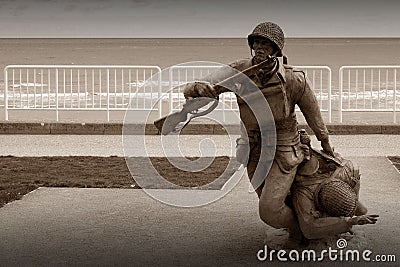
[295, 83]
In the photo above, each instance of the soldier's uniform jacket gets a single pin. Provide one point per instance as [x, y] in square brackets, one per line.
[293, 89]
[287, 88]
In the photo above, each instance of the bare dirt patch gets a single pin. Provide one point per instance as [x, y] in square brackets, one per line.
[20, 175]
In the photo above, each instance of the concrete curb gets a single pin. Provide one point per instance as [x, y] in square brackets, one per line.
[59, 128]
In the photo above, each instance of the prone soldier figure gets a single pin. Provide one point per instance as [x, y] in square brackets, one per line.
[325, 195]
[289, 87]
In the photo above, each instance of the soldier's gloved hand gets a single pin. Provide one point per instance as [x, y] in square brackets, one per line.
[199, 89]
[327, 148]
[363, 219]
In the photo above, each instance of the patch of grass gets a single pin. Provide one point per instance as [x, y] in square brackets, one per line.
[20, 175]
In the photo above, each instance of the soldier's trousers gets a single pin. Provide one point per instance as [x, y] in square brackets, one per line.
[276, 187]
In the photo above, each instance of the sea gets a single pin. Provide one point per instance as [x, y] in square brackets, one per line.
[166, 52]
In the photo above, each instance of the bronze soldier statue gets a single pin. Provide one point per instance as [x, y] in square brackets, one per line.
[283, 87]
[267, 39]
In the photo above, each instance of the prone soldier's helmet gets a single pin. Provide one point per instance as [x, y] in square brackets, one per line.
[348, 173]
[270, 31]
[337, 198]
[338, 195]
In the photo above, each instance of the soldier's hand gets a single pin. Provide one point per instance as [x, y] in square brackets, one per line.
[198, 89]
[327, 148]
[364, 219]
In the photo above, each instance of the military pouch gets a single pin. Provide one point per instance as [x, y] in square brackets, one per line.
[289, 157]
[242, 151]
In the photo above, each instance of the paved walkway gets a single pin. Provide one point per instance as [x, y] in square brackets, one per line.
[189, 145]
[64, 226]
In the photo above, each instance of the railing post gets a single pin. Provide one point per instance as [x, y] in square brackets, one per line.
[6, 94]
[159, 92]
[340, 95]
[329, 95]
[170, 90]
[108, 95]
[57, 115]
[394, 96]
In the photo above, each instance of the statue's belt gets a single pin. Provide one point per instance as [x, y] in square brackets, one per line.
[277, 138]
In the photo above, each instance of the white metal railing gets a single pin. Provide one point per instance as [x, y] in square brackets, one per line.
[69, 87]
[368, 89]
[73, 87]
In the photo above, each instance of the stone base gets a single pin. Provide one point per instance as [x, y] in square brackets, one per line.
[277, 239]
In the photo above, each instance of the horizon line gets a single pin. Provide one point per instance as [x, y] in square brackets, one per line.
[193, 37]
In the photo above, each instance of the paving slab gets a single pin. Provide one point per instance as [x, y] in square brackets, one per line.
[56, 226]
[118, 227]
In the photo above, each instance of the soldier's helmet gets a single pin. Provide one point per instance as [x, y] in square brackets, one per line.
[349, 173]
[337, 198]
[270, 31]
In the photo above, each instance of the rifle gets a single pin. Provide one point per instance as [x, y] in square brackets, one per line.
[176, 121]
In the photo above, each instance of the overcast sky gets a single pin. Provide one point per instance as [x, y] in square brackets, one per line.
[196, 18]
